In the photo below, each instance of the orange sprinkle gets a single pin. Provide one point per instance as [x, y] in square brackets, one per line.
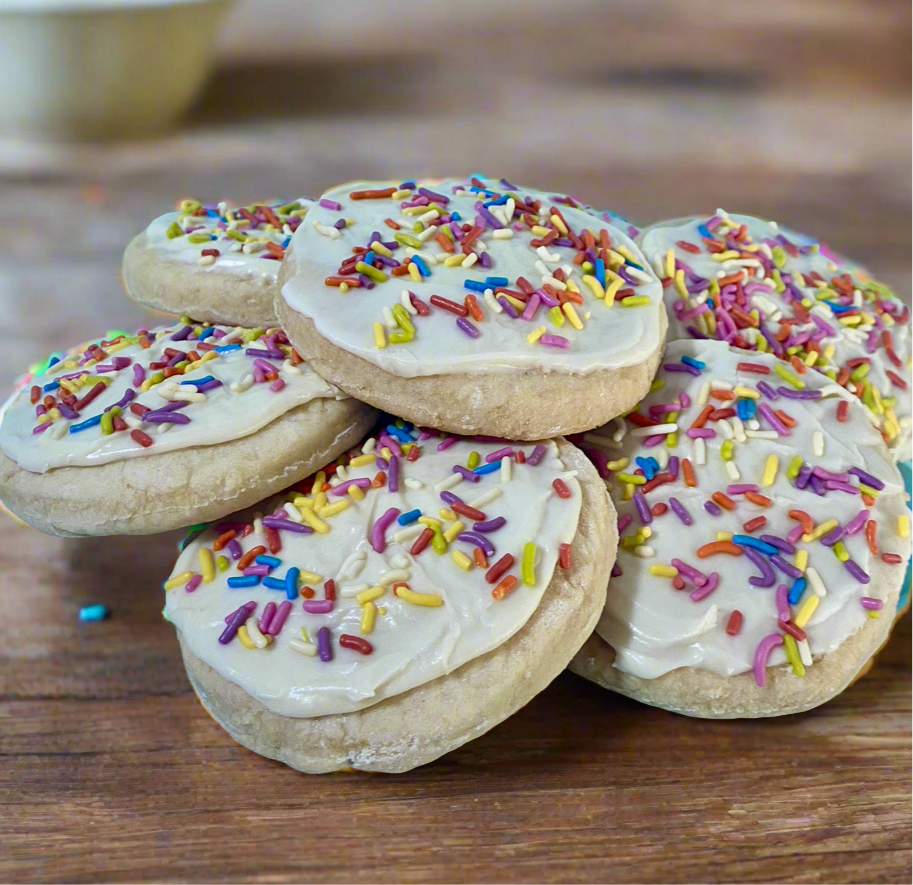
[391, 223]
[579, 258]
[250, 556]
[870, 528]
[868, 500]
[688, 470]
[443, 242]
[272, 376]
[723, 500]
[379, 480]
[373, 194]
[604, 240]
[798, 365]
[808, 524]
[588, 239]
[479, 556]
[473, 307]
[223, 539]
[144, 342]
[353, 282]
[722, 394]
[701, 419]
[719, 547]
[740, 314]
[276, 249]
[400, 270]
[272, 219]
[168, 371]
[731, 278]
[295, 357]
[788, 420]
[756, 498]
[504, 587]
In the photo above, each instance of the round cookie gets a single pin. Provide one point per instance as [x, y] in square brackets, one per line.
[215, 264]
[762, 543]
[363, 622]
[781, 293]
[102, 442]
[482, 308]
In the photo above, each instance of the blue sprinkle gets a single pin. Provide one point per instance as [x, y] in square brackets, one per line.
[291, 583]
[271, 561]
[244, 581]
[205, 333]
[422, 267]
[746, 409]
[199, 380]
[499, 202]
[285, 242]
[89, 422]
[53, 361]
[796, 591]
[411, 516]
[653, 462]
[496, 281]
[600, 271]
[96, 612]
[648, 469]
[398, 433]
[368, 257]
[455, 216]
[273, 583]
[52, 386]
[761, 546]
[225, 348]
[212, 213]
[475, 285]
[488, 468]
[634, 264]
[704, 231]
[695, 364]
[838, 308]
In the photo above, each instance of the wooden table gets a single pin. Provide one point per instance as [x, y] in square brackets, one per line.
[110, 769]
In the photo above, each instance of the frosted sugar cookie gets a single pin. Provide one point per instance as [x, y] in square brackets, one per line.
[744, 281]
[170, 426]
[477, 307]
[763, 543]
[215, 264]
[396, 605]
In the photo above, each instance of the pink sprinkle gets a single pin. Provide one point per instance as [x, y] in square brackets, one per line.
[330, 204]
[531, 307]
[275, 625]
[762, 653]
[317, 606]
[703, 592]
[446, 443]
[362, 482]
[782, 597]
[555, 341]
[277, 385]
[870, 603]
[266, 618]
[40, 428]
[193, 583]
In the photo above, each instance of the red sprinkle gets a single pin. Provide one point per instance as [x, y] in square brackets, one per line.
[678, 582]
[843, 408]
[356, 643]
[754, 524]
[564, 556]
[499, 568]
[447, 304]
[329, 589]
[466, 510]
[142, 438]
[734, 624]
[797, 632]
[659, 509]
[421, 542]
[272, 539]
[35, 393]
[560, 488]
[891, 558]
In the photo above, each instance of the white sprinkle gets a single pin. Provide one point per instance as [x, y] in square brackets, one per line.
[805, 653]
[370, 445]
[347, 591]
[553, 281]
[244, 384]
[700, 451]
[638, 274]
[414, 484]
[407, 302]
[662, 457]
[725, 428]
[762, 434]
[818, 443]
[400, 560]
[490, 300]
[541, 268]
[330, 232]
[430, 215]
[391, 577]
[644, 551]
[653, 430]
[504, 233]
[132, 422]
[738, 428]
[293, 513]
[60, 429]
[470, 260]
[302, 647]
[815, 582]
[550, 257]
[703, 393]
[836, 390]
[289, 369]
[256, 637]
[408, 533]
[352, 566]
[206, 259]
[721, 385]
[448, 482]
[387, 315]
[754, 424]
[487, 498]
[427, 233]
[258, 523]
[733, 471]
[506, 469]
[165, 426]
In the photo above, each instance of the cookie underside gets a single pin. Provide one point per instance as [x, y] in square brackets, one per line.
[416, 727]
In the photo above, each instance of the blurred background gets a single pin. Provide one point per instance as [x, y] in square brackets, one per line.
[797, 110]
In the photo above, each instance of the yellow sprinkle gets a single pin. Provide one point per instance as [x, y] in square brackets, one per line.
[635, 300]
[726, 256]
[430, 521]
[536, 334]
[624, 250]
[310, 577]
[811, 358]
[595, 286]
[725, 536]
[386, 452]
[789, 376]
[356, 493]
[450, 261]
[820, 531]
[670, 263]
[343, 287]
[632, 478]
[380, 338]
[368, 458]
[850, 321]
[369, 595]
[415, 273]
[381, 249]
[841, 552]
[207, 566]
[333, 509]
[664, 571]
[807, 610]
[629, 491]
[770, 470]
[794, 467]
[462, 560]
[451, 533]
[556, 220]
[726, 449]
[611, 289]
[571, 314]
[792, 653]
[903, 526]
[429, 599]
[539, 230]
[244, 636]
[620, 464]
[529, 563]
[320, 501]
[742, 391]
[801, 561]
[177, 580]
[314, 521]
[446, 513]
[368, 617]
[657, 384]
[874, 613]
[516, 302]
[680, 283]
[556, 316]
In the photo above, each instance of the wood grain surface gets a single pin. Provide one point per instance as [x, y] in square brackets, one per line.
[109, 768]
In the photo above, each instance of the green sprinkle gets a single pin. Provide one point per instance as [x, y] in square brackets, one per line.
[794, 467]
[860, 372]
[401, 337]
[556, 316]
[235, 234]
[174, 230]
[222, 562]
[778, 280]
[789, 376]
[726, 449]
[288, 208]
[156, 378]
[377, 275]
[408, 240]
[107, 420]
[632, 478]
[868, 490]
[474, 460]
[841, 552]
[199, 238]
[657, 384]
[401, 315]
[438, 541]
[778, 253]
[249, 335]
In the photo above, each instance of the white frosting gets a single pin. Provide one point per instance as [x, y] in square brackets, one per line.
[655, 628]
[850, 342]
[223, 414]
[610, 337]
[243, 258]
[412, 644]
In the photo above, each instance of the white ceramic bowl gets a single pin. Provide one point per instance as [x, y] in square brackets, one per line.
[93, 69]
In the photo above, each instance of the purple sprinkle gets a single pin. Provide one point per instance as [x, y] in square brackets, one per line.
[741, 488]
[478, 540]
[438, 198]
[694, 332]
[193, 583]
[488, 216]
[260, 570]
[786, 567]
[712, 508]
[555, 341]
[772, 419]
[128, 395]
[181, 335]
[871, 603]
[324, 649]
[276, 522]
[67, 411]
[857, 522]
[857, 572]
[833, 537]
[343, 487]
[791, 393]
[547, 299]
[318, 606]
[259, 353]
[447, 442]
[867, 478]
[818, 486]
[393, 474]
[680, 367]
[767, 576]
[381, 463]
[231, 630]
[680, 511]
[624, 521]
[340, 224]
[467, 327]
[767, 390]
[616, 570]
[330, 204]
[512, 311]
[643, 510]
[782, 599]
[386, 440]
[536, 455]
[209, 385]
[235, 549]
[489, 525]
[506, 452]
[803, 477]
[466, 473]
[160, 416]
[248, 607]
[778, 542]
[450, 498]
[139, 374]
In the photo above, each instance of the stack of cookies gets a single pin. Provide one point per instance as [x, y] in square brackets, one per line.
[439, 441]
